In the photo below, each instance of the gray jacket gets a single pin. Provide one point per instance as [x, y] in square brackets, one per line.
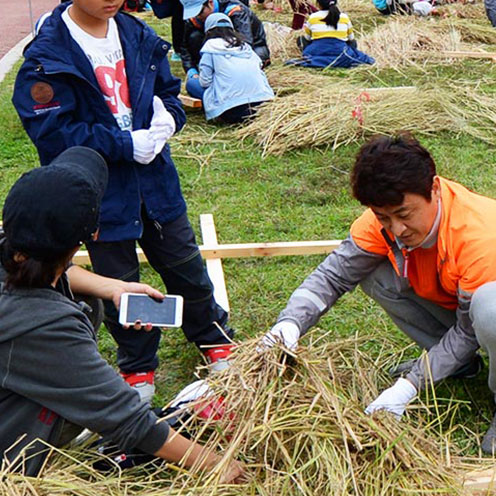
[346, 267]
[52, 375]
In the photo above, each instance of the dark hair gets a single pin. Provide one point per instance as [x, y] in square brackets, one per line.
[388, 167]
[231, 37]
[332, 18]
[29, 273]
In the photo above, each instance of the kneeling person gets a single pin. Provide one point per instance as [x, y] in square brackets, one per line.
[424, 250]
[231, 83]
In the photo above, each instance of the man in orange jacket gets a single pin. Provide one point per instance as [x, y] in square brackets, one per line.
[425, 251]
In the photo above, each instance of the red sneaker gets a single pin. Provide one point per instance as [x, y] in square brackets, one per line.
[217, 356]
[143, 382]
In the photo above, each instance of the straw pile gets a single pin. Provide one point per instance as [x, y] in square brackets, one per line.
[397, 42]
[472, 30]
[300, 430]
[281, 41]
[338, 114]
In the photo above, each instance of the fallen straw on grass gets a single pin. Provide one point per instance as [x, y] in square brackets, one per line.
[298, 425]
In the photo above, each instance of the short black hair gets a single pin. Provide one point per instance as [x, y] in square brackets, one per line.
[387, 167]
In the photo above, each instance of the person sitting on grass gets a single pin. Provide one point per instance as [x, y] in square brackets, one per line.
[231, 83]
[425, 251]
[53, 380]
[420, 8]
[244, 20]
[329, 41]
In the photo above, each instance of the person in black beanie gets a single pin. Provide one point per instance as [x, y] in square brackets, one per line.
[53, 380]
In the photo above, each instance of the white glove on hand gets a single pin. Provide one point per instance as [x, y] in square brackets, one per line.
[163, 125]
[394, 399]
[143, 146]
[284, 332]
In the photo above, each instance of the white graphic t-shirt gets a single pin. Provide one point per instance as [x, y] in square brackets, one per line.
[107, 59]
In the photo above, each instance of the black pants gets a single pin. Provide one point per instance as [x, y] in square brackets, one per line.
[177, 26]
[240, 113]
[172, 251]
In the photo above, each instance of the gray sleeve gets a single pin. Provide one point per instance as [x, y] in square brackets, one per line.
[340, 272]
[62, 370]
[455, 349]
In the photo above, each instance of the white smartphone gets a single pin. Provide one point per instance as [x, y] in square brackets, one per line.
[165, 313]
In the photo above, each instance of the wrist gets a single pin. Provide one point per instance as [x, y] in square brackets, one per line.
[192, 72]
[407, 390]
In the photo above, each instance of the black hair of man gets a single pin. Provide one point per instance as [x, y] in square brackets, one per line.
[388, 167]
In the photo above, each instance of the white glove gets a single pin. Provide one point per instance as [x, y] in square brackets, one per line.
[162, 126]
[284, 332]
[394, 399]
[143, 146]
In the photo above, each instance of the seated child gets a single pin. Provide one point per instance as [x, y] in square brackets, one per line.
[329, 40]
[231, 82]
[420, 8]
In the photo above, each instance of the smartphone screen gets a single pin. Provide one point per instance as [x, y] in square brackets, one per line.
[161, 313]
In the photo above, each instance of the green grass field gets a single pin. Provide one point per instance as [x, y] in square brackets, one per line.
[303, 195]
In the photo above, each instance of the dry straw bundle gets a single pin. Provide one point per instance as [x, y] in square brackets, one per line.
[398, 42]
[281, 40]
[300, 430]
[338, 114]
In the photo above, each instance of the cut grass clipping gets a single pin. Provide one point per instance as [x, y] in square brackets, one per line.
[297, 423]
[336, 114]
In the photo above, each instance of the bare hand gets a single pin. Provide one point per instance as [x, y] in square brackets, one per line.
[136, 287]
[234, 474]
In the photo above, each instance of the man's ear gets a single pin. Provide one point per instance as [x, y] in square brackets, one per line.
[436, 188]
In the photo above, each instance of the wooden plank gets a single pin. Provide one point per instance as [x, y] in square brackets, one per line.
[480, 481]
[244, 250]
[189, 101]
[214, 265]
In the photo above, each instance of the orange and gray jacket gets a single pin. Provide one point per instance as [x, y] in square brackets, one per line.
[462, 260]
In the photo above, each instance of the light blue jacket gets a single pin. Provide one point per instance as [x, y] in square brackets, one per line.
[231, 76]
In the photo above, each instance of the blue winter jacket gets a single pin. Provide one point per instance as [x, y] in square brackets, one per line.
[60, 105]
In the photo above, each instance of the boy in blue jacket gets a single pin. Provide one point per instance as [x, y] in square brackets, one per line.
[100, 78]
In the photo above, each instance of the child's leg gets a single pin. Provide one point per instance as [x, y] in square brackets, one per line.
[194, 88]
[177, 25]
[240, 113]
[172, 251]
[137, 350]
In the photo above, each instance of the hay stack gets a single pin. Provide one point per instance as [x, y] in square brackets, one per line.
[397, 42]
[338, 114]
[300, 430]
[281, 41]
